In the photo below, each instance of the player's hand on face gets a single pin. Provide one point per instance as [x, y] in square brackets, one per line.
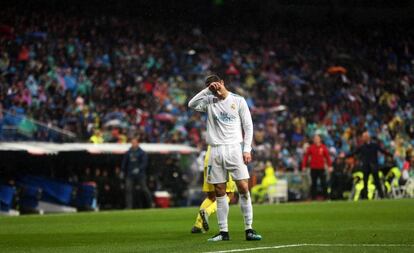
[214, 86]
[247, 157]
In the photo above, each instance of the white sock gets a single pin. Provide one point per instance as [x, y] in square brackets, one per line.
[247, 210]
[222, 213]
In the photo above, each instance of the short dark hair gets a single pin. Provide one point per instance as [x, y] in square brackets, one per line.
[211, 79]
[135, 137]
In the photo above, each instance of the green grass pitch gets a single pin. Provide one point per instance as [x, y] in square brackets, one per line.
[168, 230]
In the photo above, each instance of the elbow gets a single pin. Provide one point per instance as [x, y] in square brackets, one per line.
[191, 104]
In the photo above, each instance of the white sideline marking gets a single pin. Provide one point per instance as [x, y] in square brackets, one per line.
[312, 245]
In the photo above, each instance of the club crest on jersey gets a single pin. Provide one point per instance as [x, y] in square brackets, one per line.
[233, 106]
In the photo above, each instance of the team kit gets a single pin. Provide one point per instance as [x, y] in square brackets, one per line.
[228, 153]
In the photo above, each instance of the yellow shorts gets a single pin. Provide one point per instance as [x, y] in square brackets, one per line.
[230, 186]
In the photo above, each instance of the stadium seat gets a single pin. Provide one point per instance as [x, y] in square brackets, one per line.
[6, 197]
[29, 199]
[408, 188]
[53, 191]
[86, 197]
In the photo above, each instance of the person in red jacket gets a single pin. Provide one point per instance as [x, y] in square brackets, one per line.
[319, 157]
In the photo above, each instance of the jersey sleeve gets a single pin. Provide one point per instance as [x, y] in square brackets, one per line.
[200, 101]
[247, 125]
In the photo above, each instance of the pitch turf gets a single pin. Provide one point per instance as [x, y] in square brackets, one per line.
[168, 230]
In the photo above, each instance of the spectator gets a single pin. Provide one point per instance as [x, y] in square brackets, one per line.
[97, 138]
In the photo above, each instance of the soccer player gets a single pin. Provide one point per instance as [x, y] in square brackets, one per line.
[228, 116]
[209, 205]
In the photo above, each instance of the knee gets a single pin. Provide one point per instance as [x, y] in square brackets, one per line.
[211, 196]
[243, 186]
[220, 190]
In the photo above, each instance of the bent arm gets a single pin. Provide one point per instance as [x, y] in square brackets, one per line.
[382, 150]
[356, 151]
[200, 101]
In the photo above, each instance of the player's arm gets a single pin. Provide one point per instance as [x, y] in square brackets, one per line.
[200, 101]
[125, 162]
[144, 161]
[305, 158]
[357, 151]
[382, 150]
[247, 125]
[328, 158]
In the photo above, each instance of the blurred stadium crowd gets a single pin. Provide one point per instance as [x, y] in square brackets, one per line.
[108, 78]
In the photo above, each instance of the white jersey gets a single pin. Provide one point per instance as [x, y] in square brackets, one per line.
[226, 119]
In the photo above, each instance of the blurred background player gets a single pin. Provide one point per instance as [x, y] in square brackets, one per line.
[341, 177]
[134, 166]
[228, 117]
[318, 154]
[368, 157]
[209, 205]
[260, 191]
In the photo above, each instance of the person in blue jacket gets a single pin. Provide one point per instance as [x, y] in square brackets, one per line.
[134, 166]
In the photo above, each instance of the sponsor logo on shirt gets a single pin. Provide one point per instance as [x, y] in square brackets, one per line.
[225, 117]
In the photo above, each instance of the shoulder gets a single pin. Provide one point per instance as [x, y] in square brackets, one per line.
[316, 148]
[237, 98]
[236, 95]
[140, 150]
